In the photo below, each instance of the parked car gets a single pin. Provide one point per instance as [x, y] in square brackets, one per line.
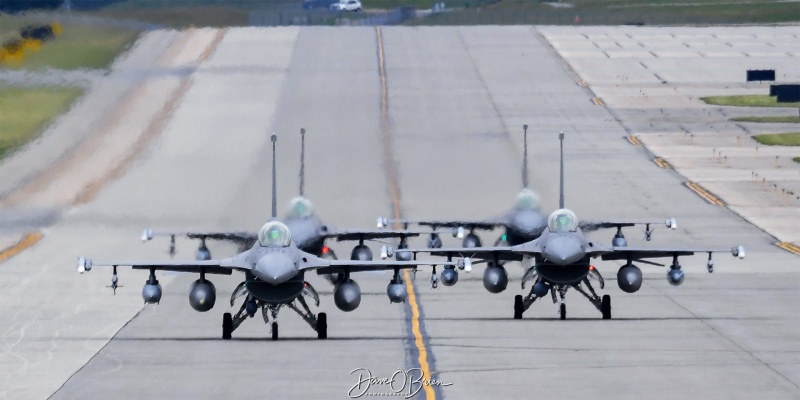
[323, 4]
[347, 5]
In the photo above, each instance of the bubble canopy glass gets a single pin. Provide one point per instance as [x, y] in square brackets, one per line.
[562, 220]
[274, 234]
[300, 207]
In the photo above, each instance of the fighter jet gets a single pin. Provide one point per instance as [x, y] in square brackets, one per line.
[274, 270]
[560, 260]
[523, 223]
[309, 233]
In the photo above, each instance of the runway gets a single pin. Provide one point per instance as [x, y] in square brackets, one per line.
[435, 133]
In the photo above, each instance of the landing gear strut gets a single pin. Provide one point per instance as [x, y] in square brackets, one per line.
[270, 312]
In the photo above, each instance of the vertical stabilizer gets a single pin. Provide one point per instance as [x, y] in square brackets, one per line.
[561, 189]
[525, 157]
[302, 160]
[274, 179]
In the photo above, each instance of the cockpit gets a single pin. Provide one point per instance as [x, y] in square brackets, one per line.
[562, 220]
[300, 207]
[274, 234]
[527, 200]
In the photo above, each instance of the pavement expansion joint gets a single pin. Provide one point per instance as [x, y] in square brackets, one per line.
[28, 240]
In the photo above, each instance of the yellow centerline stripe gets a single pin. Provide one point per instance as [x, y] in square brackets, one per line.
[789, 247]
[28, 240]
[423, 351]
[661, 162]
[634, 140]
[705, 194]
[394, 188]
[598, 101]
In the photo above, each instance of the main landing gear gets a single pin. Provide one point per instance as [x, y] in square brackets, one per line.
[541, 288]
[269, 312]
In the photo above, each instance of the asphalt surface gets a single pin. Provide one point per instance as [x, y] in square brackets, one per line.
[456, 101]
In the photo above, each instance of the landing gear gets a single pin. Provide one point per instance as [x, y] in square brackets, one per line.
[563, 311]
[274, 331]
[322, 326]
[227, 326]
[518, 307]
[605, 306]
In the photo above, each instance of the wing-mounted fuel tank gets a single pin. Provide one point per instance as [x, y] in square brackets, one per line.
[449, 276]
[629, 278]
[347, 294]
[361, 253]
[151, 292]
[202, 295]
[495, 278]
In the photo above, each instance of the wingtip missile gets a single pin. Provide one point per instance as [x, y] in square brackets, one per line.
[84, 265]
[672, 223]
[738, 251]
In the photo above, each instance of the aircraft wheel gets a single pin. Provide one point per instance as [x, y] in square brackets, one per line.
[274, 331]
[518, 307]
[605, 307]
[227, 326]
[563, 311]
[322, 326]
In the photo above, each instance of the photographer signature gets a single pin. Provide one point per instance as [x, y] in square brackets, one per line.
[405, 383]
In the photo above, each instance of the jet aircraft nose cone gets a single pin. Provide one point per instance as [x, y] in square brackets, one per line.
[563, 250]
[275, 268]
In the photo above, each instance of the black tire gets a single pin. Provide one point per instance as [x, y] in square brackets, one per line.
[518, 307]
[274, 331]
[322, 326]
[563, 310]
[605, 307]
[227, 326]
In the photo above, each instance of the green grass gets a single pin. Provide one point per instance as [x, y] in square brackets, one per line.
[25, 112]
[786, 120]
[796, 159]
[749, 100]
[80, 45]
[180, 17]
[614, 12]
[779, 139]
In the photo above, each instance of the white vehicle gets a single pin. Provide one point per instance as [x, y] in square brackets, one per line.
[347, 5]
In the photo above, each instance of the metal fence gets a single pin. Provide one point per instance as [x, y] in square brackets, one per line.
[294, 15]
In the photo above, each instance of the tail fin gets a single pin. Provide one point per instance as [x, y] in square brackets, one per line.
[274, 179]
[525, 158]
[302, 160]
[561, 190]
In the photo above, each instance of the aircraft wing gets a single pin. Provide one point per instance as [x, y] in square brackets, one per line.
[369, 234]
[484, 253]
[466, 224]
[324, 267]
[633, 253]
[220, 267]
[235, 237]
[588, 226]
